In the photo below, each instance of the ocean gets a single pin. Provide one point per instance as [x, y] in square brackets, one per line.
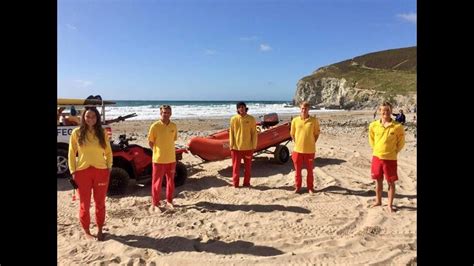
[150, 110]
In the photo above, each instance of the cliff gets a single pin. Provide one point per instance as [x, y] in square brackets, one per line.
[363, 82]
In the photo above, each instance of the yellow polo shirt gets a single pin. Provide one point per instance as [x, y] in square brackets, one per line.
[243, 133]
[91, 153]
[305, 132]
[163, 137]
[386, 142]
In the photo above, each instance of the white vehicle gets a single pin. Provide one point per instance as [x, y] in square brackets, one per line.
[64, 131]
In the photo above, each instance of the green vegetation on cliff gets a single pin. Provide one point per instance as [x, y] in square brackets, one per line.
[392, 71]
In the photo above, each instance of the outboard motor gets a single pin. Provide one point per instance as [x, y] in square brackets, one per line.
[269, 120]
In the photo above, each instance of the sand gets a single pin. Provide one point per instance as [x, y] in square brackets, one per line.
[215, 224]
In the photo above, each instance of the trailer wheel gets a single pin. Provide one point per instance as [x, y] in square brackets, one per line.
[118, 181]
[281, 154]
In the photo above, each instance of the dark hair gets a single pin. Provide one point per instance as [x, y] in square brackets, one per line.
[165, 106]
[97, 97]
[99, 131]
[387, 104]
[241, 104]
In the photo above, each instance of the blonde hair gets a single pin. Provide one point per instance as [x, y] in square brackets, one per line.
[304, 104]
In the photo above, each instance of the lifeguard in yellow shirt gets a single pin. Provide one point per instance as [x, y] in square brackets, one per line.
[387, 138]
[304, 132]
[161, 137]
[242, 143]
[91, 168]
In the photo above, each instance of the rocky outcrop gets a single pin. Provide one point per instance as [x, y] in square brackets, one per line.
[363, 81]
[335, 93]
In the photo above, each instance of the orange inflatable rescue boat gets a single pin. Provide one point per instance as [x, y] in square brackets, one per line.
[216, 146]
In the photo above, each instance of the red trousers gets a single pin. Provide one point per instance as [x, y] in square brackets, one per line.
[159, 170]
[88, 180]
[237, 157]
[308, 160]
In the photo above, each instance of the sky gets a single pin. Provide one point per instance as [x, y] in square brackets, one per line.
[217, 49]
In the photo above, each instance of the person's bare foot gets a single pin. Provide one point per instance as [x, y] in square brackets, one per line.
[376, 204]
[88, 236]
[154, 208]
[390, 209]
[100, 236]
[296, 191]
[169, 205]
[311, 191]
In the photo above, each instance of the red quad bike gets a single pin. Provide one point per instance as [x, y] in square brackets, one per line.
[133, 161]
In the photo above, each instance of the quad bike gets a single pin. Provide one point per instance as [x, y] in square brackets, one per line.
[65, 128]
[133, 161]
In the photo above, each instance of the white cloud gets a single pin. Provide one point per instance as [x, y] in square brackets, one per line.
[82, 83]
[265, 47]
[71, 27]
[249, 38]
[210, 52]
[409, 17]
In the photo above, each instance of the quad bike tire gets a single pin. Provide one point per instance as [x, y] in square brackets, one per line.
[63, 166]
[180, 175]
[281, 154]
[118, 181]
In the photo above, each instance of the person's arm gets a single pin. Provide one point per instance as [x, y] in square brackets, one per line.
[400, 138]
[254, 134]
[72, 152]
[371, 136]
[151, 137]
[231, 134]
[316, 130]
[293, 129]
[176, 133]
[108, 151]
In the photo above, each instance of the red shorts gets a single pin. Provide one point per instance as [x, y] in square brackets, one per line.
[387, 167]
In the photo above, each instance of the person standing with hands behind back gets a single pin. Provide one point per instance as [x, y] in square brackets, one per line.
[242, 143]
[161, 137]
[91, 168]
[304, 132]
[386, 138]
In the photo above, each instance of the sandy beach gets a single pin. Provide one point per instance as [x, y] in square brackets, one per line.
[268, 224]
